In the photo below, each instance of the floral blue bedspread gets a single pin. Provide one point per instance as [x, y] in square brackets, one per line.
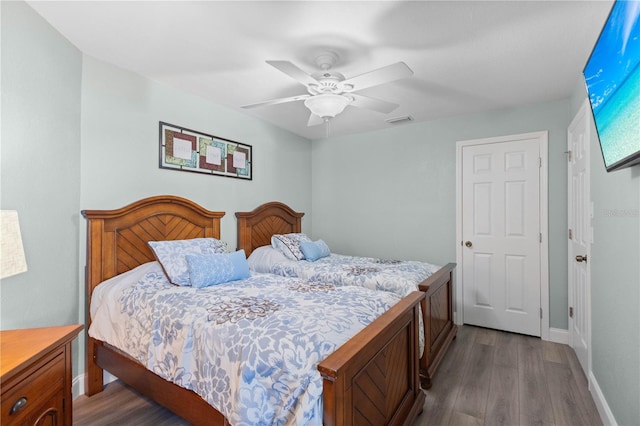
[250, 347]
[399, 277]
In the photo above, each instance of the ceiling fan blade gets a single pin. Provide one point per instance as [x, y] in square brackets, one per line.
[276, 101]
[314, 120]
[372, 104]
[294, 72]
[380, 76]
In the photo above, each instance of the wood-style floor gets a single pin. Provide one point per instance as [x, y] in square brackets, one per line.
[491, 377]
[488, 377]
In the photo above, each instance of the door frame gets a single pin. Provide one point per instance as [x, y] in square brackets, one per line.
[583, 112]
[543, 138]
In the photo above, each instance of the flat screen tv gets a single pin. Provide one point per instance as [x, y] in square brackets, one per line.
[612, 76]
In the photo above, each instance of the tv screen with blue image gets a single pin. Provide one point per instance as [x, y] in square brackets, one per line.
[612, 76]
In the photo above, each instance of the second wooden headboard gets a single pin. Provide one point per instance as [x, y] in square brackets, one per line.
[256, 227]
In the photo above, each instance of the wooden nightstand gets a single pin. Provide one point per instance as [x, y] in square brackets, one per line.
[35, 375]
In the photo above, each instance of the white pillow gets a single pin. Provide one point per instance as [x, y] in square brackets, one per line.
[289, 244]
[171, 255]
[263, 258]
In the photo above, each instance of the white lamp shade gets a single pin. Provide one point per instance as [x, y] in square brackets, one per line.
[327, 104]
[12, 257]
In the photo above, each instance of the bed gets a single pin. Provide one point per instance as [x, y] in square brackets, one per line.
[256, 228]
[373, 377]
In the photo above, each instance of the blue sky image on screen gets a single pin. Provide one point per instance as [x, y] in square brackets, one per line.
[612, 75]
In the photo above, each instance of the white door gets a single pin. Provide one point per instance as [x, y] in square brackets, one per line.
[579, 221]
[501, 233]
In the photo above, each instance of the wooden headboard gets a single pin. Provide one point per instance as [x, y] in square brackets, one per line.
[117, 239]
[255, 228]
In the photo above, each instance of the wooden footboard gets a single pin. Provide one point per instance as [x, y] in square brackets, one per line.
[373, 378]
[439, 327]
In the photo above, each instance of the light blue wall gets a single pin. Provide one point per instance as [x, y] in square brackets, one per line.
[615, 281]
[120, 115]
[391, 193]
[40, 171]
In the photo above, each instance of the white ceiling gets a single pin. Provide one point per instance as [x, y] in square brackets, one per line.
[467, 56]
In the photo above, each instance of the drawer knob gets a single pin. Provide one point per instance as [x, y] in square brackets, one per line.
[18, 405]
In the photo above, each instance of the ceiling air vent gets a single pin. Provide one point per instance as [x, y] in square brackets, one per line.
[399, 120]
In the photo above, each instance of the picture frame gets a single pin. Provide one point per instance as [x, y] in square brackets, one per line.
[189, 150]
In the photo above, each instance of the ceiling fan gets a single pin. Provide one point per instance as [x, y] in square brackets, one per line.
[329, 92]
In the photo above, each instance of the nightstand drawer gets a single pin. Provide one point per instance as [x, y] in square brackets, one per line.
[33, 389]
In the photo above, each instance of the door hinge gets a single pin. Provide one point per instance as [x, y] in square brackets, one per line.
[570, 311]
[541, 237]
[540, 313]
[539, 162]
[570, 234]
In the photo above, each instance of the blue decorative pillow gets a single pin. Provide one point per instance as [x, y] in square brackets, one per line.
[171, 255]
[289, 244]
[211, 269]
[314, 250]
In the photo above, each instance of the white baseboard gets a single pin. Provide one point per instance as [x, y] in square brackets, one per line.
[601, 403]
[108, 378]
[77, 385]
[558, 335]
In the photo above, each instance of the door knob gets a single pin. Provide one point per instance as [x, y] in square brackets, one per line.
[580, 258]
[468, 244]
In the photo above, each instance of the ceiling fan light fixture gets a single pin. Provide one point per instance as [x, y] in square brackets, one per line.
[327, 105]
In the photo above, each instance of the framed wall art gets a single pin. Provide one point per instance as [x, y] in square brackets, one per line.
[191, 151]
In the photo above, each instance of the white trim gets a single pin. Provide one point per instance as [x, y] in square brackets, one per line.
[544, 230]
[77, 386]
[78, 383]
[558, 335]
[458, 302]
[543, 138]
[601, 403]
[583, 112]
[456, 317]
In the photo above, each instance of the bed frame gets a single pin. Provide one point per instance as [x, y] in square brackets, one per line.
[255, 229]
[384, 353]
